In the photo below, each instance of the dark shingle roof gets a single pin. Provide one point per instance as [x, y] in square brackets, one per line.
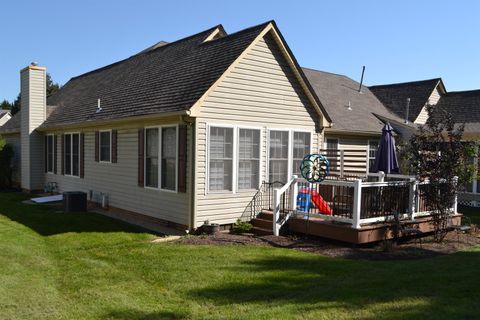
[336, 91]
[13, 125]
[394, 96]
[169, 78]
[3, 112]
[464, 106]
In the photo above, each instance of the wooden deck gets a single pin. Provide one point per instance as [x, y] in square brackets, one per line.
[366, 234]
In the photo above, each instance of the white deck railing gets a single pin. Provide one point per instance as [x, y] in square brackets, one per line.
[354, 202]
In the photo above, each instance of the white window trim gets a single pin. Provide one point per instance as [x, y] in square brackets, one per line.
[207, 159]
[71, 154]
[100, 146]
[53, 153]
[260, 146]
[368, 152]
[290, 148]
[160, 169]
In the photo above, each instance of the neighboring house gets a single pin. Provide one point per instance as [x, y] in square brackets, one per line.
[4, 116]
[358, 118]
[464, 106]
[182, 132]
[417, 94]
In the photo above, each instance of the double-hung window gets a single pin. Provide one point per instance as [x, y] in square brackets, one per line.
[72, 154]
[248, 159]
[161, 158]
[105, 146]
[169, 158]
[372, 153]
[278, 165]
[220, 159]
[301, 147]
[50, 154]
[286, 148]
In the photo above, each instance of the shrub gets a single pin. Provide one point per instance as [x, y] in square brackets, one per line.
[6, 156]
[241, 227]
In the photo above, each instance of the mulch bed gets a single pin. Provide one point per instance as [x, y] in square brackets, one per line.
[412, 249]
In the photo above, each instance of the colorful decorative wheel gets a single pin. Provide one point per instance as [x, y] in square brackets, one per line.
[315, 167]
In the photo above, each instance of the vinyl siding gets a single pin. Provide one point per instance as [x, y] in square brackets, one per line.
[433, 99]
[119, 180]
[357, 144]
[33, 114]
[261, 92]
[14, 141]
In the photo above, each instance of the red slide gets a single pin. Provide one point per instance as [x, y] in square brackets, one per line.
[321, 204]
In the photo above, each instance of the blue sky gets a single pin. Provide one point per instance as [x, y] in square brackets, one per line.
[396, 40]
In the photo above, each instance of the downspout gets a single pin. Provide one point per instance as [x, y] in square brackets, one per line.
[193, 178]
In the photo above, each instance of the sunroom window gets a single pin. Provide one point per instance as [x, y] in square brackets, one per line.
[301, 147]
[220, 159]
[248, 158]
[278, 164]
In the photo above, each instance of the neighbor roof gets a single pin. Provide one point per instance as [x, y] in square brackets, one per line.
[3, 112]
[464, 106]
[337, 91]
[394, 96]
[168, 78]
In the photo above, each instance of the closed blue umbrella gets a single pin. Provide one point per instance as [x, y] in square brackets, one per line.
[386, 158]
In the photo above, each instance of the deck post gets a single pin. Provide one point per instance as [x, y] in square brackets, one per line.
[455, 201]
[381, 177]
[293, 195]
[276, 211]
[412, 201]
[342, 160]
[357, 203]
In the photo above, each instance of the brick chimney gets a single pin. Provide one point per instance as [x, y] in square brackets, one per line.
[32, 114]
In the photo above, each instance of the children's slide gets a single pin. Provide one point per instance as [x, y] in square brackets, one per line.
[321, 204]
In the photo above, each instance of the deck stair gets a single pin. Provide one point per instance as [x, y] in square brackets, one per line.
[262, 224]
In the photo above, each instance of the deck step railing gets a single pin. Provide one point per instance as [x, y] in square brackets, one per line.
[357, 202]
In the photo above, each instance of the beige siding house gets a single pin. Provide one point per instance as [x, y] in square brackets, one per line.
[357, 120]
[180, 133]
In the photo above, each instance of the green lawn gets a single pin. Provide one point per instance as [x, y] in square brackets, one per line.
[83, 266]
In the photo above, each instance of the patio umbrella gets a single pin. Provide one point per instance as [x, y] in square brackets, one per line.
[386, 158]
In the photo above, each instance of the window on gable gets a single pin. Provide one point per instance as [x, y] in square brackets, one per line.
[72, 154]
[248, 158]
[220, 159]
[50, 154]
[105, 146]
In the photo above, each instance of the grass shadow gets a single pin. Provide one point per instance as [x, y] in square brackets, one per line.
[442, 287]
[48, 220]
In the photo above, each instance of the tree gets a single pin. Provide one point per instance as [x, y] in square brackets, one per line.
[5, 105]
[437, 153]
[52, 87]
[14, 107]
